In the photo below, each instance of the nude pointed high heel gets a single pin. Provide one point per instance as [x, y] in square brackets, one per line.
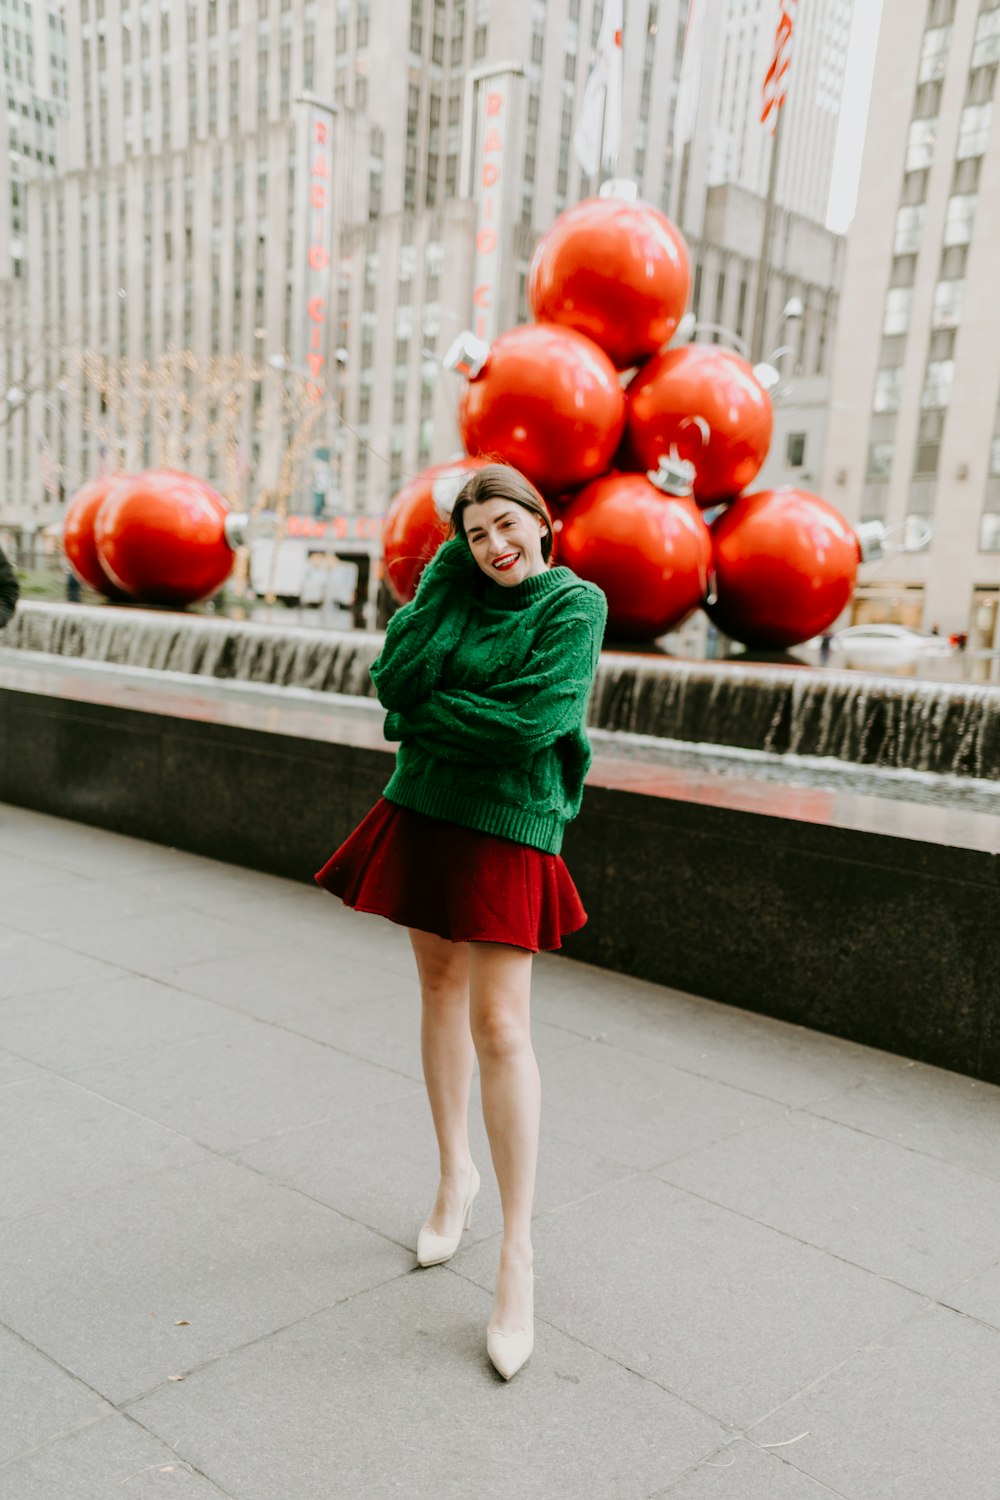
[509, 1351]
[433, 1249]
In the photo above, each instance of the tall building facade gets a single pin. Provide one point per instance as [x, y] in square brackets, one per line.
[32, 119]
[181, 218]
[914, 439]
[732, 48]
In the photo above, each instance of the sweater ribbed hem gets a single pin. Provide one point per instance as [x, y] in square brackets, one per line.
[472, 812]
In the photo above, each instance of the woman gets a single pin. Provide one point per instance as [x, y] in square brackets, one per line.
[486, 676]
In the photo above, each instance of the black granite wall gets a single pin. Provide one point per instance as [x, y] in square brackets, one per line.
[886, 940]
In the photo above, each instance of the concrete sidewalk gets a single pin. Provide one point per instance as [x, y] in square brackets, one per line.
[767, 1261]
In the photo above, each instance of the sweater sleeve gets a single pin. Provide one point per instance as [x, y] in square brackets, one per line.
[420, 635]
[510, 722]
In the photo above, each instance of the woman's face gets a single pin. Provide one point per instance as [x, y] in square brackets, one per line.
[506, 540]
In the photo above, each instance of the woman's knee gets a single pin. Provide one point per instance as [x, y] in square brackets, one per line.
[443, 968]
[500, 1030]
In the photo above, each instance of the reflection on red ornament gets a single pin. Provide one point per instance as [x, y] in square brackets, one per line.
[548, 401]
[616, 271]
[649, 552]
[78, 535]
[161, 537]
[785, 564]
[707, 403]
[417, 523]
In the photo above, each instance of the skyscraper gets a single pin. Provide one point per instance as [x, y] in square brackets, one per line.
[182, 214]
[914, 438]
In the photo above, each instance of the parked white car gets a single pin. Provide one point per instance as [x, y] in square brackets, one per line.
[882, 645]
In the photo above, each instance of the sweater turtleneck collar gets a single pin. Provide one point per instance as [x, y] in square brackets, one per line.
[529, 591]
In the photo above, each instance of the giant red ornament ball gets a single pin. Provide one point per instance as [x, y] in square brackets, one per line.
[649, 552]
[161, 537]
[415, 524]
[707, 403]
[785, 563]
[548, 401]
[78, 535]
[616, 271]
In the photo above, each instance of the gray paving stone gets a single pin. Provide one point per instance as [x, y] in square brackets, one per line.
[922, 1222]
[152, 942]
[19, 872]
[70, 1142]
[243, 1085]
[38, 1400]
[100, 1020]
[915, 1416]
[281, 981]
[110, 1458]
[81, 849]
[640, 1110]
[727, 1314]
[15, 1069]
[29, 964]
[380, 1167]
[978, 1295]
[739, 1470]
[926, 1109]
[591, 1001]
[30, 907]
[100, 1284]
[781, 1061]
[392, 1394]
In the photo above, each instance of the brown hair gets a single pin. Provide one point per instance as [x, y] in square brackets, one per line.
[501, 482]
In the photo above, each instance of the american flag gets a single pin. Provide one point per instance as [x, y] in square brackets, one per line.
[776, 78]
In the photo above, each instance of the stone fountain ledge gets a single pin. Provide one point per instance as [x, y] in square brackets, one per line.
[938, 728]
[871, 918]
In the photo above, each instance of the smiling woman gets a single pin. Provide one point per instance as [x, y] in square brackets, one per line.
[486, 677]
[506, 524]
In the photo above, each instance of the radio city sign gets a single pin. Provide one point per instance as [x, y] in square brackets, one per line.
[320, 220]
[490, 154]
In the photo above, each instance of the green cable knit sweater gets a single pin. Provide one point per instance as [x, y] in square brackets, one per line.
[486, 688]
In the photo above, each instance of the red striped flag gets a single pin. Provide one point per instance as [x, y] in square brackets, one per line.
[776, 78]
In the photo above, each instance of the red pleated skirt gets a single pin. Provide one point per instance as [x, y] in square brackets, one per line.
[459, 883]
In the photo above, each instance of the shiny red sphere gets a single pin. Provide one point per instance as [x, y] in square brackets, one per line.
[415, 527]
[78, 535]
[785, 563]
[649, 552]
[707, 402]
[548, 401]
[618, 272]
[161, 537]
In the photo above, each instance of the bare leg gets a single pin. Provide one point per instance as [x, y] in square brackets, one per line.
[448, 1058]
[500, 994]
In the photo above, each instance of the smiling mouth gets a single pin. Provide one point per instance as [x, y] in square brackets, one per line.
[507, 561]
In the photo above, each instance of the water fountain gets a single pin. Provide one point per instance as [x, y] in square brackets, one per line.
[861, 720]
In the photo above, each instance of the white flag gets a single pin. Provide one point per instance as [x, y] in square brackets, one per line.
[689, 87]
[600, 120]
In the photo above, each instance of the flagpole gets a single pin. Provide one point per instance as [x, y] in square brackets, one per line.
[760, 302]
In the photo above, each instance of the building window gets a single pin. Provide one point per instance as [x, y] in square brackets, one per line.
[920, 144]
[795, 450]
[948, 298]
[937, 383]
[934, 54]
[974, 130]
[897, 310]
[958, 219]
[888, 387]
[909, 226]
[879, 460]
